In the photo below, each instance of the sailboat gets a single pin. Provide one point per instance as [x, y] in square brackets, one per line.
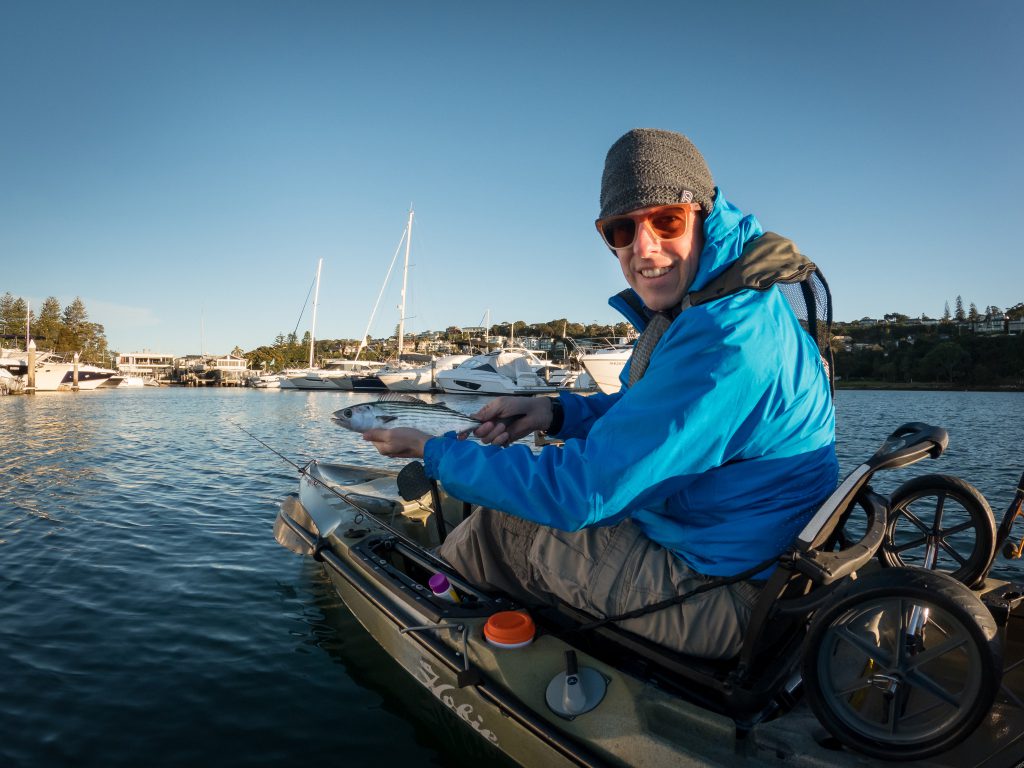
[333, 374]
[373, 382]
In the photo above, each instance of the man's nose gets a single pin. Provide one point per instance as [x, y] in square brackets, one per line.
[646, 241]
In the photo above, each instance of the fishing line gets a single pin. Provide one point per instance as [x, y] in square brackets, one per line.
[302, 470]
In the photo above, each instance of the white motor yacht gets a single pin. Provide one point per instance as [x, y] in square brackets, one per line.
[502, 372]
[420, 378]
[334, 375]
[605, 364]
[53, 376]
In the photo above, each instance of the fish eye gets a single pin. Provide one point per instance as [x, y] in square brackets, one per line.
[347, 413]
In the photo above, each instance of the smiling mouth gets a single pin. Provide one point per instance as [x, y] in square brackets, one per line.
[655, 272]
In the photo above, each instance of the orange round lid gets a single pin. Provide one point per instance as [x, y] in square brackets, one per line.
[509, 628]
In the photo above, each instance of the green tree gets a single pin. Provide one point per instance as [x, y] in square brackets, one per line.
[47, 326]
[947, 361]
[946, 315]
[973, 314]
[13, 315]
[960, 315]
[94, 347]
[9, 328]
[74, 330]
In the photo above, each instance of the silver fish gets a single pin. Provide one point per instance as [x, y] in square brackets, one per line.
[393, 411]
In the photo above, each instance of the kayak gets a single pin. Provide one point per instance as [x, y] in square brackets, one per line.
[545, 690]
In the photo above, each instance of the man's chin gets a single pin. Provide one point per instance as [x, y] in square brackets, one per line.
[659, 302]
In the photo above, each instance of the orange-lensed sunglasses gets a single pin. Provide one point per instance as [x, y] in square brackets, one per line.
[667, 222]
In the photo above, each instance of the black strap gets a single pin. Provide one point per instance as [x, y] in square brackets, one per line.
[707, 586]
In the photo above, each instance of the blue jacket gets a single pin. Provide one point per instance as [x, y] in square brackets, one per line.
[720, 452]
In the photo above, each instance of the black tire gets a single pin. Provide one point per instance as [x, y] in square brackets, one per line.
[892, 694]
[949, 512]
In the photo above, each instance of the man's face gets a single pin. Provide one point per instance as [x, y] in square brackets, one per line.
[662, 270]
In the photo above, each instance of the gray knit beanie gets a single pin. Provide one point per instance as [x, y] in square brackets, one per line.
[649, 167]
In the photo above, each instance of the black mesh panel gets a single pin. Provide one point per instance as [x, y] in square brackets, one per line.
[811, 302]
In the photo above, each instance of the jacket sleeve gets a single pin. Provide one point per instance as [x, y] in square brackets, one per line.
[582, 411]
[710, 395]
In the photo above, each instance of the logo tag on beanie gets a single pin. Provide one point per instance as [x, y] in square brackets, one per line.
[686, 197]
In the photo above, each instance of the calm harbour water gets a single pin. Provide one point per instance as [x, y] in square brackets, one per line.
[148, 617]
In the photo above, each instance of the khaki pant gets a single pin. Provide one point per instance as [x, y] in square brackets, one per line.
[604, 571]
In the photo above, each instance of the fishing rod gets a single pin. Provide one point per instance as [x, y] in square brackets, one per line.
[303, 470]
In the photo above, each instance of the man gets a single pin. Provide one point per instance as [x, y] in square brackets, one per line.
[710, 459]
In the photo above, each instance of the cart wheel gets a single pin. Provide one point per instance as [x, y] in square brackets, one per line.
[904, 664]
[942, 516]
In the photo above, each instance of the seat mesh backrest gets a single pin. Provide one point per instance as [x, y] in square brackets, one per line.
[811, 302]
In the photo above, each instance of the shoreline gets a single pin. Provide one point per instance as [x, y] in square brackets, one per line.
[925, 386]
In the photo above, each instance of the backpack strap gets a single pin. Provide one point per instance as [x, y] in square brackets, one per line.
[766, 260]
[772, 259]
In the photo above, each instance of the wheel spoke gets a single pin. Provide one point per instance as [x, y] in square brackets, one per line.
[952, 553]
[920, 714]
[893, 714]
[912, 664]
[858, 685]
[922, 680]
[910, 545]
[940, 504]
[869, 647]
[914, 519]
[958, 528]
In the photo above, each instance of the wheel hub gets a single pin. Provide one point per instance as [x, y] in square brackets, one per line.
[887, 683]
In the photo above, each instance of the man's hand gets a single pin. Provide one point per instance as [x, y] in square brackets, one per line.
[506, 419]
[401, 442]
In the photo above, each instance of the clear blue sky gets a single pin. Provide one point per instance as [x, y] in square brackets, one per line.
[181, 166]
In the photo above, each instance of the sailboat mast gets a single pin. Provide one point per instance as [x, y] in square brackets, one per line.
[312, 327]
[405, 278]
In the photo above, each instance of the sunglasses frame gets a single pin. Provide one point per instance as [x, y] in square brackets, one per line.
[644, 221]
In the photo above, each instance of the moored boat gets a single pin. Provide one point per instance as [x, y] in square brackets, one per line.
[421, 378]
[10, 384]
[605, 364]
[333, 375]
[266, 381]
[501, 372]
[53, 376]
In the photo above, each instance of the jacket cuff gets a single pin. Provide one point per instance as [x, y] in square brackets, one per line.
[557, 417]
[433, 452]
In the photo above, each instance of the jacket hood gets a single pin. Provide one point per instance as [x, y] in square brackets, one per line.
[726, 231]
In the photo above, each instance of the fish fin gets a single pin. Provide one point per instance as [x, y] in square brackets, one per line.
[398, 397]
[387, 419]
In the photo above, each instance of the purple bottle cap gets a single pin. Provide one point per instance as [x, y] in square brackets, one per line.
[438, 583]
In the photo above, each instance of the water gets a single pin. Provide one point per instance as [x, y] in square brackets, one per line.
[147, 616]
